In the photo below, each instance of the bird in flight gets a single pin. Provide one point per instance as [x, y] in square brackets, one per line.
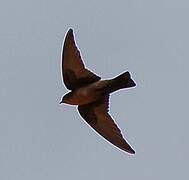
[91, 94]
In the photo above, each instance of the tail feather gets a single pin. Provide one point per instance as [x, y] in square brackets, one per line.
[122, 81]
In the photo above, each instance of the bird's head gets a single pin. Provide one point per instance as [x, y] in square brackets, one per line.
[66, 98]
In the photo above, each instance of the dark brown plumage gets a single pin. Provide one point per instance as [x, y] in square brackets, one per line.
[91, 94]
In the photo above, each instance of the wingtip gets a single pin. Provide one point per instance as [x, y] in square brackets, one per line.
[132, 151]
[69, 34]
[70, 31]
[129, 149]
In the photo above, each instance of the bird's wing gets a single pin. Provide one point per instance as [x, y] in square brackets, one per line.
[73, 70]
[96, 115]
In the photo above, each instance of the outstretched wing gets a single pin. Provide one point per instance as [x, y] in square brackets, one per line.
[96, 115]
[73, 70]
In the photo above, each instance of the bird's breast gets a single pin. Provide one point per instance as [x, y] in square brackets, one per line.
[84, 95]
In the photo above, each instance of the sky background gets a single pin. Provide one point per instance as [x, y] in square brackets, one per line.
[42, 140]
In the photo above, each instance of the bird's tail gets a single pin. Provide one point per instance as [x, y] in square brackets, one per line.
[122, 81]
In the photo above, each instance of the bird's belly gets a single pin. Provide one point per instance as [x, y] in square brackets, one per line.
[84, 96]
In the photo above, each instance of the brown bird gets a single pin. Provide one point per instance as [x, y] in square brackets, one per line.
[91, 94]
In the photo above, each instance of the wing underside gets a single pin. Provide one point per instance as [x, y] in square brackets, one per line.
[73, 69]
[96, 115]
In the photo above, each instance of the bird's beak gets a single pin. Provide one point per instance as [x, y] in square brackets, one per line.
[61, 102]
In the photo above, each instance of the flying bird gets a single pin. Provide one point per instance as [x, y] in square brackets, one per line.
[91, 94]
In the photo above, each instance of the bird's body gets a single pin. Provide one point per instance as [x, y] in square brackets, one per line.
[94, 91]
[91, 94]
[85, 94]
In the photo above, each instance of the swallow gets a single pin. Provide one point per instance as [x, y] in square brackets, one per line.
[91, 94]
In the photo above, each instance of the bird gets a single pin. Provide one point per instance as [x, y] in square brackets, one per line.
[91, 94]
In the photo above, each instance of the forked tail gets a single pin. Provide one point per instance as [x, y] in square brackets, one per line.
[122, 81]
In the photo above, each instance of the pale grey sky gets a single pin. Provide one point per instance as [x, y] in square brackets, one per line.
[39, 139]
